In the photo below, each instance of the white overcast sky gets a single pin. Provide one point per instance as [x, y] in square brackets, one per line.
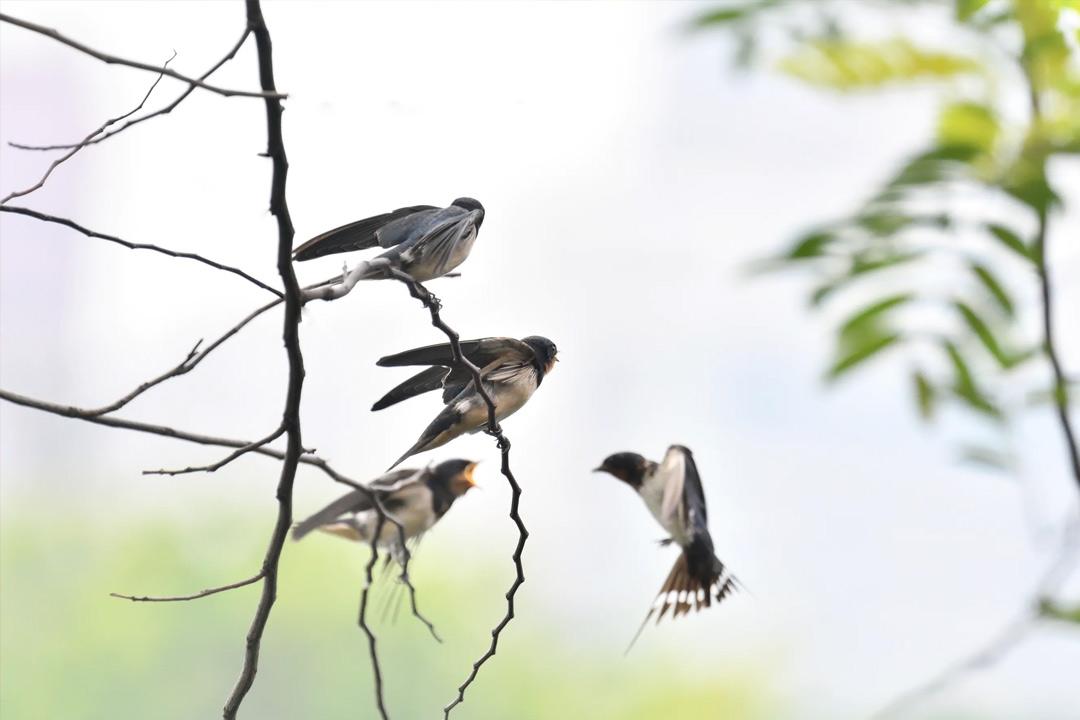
[628, 179]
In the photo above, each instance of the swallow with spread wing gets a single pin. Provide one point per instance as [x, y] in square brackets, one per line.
[672, 491]
[422, 240]
[415, 498]
[510, 370]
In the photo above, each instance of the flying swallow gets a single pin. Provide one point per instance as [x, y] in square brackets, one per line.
[672, 491]
[422, 240]
[510, 370]
[415, 498]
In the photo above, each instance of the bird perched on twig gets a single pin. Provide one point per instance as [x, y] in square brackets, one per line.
[415, 498]
[422, 240]
[510, 370]
[672, 491]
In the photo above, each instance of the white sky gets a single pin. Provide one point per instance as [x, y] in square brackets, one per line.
[628, 178]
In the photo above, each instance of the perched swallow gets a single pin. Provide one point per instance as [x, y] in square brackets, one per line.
[415, 498]
[510, 369]
[672, 491]
[424, 241]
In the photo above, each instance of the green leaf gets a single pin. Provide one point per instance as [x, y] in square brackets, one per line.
[843, 64]
[1011, 240]
[728, 14]
[852, 356]
[871, 314]
[986, 336]
[811, 245]
[1054, 611]
[964, 386]
[966, 8]
[925, 395]
[968, 124]
[994, 287]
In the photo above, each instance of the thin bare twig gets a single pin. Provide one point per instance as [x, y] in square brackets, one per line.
[434, 306]
[214, 467]
[403, 577]
[162, 111]
[362, 616]
[114, 60]
[183, 598]
[290, 418]
[97, 131]
[137, 246]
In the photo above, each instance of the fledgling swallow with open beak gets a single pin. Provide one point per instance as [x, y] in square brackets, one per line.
[672, 491]
[424, 241]
[511, 371]
[415, 498]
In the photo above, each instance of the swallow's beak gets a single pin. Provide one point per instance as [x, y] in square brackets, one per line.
[599, 469]
[467, 473]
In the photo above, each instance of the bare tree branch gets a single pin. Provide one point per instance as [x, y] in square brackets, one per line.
[183, 598]
[434, 306]
[114, 60]
[214, 467]
[290, 419]
[163, 111]
[97, 131]
[137, 246]
[362, 617]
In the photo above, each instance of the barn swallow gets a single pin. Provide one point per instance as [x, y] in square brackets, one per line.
[510, 369]
[672, 491]
[422, 240]
[415, 498]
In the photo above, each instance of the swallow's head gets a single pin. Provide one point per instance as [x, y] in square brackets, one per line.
[544, 350]
[627, 466]
[455, 475]
[469, 203]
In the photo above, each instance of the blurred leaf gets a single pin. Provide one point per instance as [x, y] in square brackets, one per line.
[871, 314]
[732, 13]
[1054, 611]
[925, 395]
[940, 164]
[986, 336]
[1059, 395]
[810, 245]
[849, 65]
[966, 8]
[994, 287]
[964, 386]
[1010, 240]
[968, 124]
[858, 351]
[862, 265]
[989, 457]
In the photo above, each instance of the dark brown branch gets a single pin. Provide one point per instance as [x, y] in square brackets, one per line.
[290, 418]
[113, 60]
[137, 246]
[214, 467]
[362, 616]
[163, 111]
[183, 598]
[97, 131]
[434, 307]
[406, 556]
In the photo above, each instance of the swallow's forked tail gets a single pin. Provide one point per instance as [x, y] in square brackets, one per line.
[696, 579]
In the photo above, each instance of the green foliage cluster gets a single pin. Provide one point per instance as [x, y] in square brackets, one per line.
[917, 221]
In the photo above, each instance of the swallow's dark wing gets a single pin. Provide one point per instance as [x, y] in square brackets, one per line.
[424, 381]
[433, 244]
[480, 352]
[384, 230]
[355, 501]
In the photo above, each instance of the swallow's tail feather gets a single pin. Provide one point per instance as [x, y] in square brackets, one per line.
[424, 381]
[696, 579]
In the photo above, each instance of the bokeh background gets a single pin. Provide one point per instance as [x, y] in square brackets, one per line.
[630, 178]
